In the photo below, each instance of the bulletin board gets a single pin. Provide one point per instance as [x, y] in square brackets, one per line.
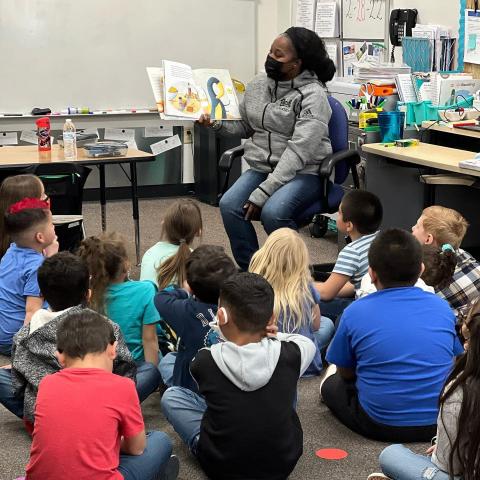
[472, 68]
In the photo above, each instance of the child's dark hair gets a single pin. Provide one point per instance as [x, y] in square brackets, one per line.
[18, 223]
[84, 332]
[182, 222]
[396, 257]
[439, 266]
[207, 269]
[12, 190]
[466, 376]
[63, 280]
[363, 209]
[106, 258]
[249, 297]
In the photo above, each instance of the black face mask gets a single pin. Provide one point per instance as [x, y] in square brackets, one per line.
[273, 68]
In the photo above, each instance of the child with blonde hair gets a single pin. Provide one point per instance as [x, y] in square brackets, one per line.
[284, 262]
[126, 302]
[164, 263]
[446, 228]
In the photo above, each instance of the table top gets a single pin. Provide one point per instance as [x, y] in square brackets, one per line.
[426, 154]
[14, 156]
[448, 128]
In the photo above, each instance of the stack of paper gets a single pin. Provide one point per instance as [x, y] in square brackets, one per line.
[385, 71]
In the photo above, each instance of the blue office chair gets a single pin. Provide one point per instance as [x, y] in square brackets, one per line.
[338, 164]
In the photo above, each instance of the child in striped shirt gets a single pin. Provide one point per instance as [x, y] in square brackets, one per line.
[359, 217]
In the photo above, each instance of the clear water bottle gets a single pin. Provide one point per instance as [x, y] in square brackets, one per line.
[69, 140]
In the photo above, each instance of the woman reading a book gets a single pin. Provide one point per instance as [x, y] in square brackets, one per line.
[285, 116]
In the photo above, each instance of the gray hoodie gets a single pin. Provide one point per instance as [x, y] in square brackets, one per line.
[286, 124]
[33, 356]
[251, 366]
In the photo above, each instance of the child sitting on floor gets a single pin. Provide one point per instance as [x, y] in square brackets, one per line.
[126, 302]
[457, 447]
[64, 283]
[164, 263]
[441, 227]
[190, 310]
[359, 216]
[284, 262]
[29, 224]
[439, 266]
[88, 422]
[245, 425]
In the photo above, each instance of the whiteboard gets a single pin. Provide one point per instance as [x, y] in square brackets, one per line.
[364, 19]
[93, 53]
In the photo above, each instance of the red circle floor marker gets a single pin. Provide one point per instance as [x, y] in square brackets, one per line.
[331, 453]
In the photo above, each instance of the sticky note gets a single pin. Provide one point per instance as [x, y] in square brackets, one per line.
[165, 145]
[29, 136]
[9, 138]
[472, 41]
[120, 134]
[160, 131]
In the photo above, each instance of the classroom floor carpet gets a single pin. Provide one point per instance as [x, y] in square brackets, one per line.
[321, 429]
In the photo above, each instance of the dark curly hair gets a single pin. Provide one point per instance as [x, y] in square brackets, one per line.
[311, 51]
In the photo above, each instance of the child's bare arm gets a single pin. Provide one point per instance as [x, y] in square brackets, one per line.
[150, 343]
[316, 315]
[134, 445]
[348, 290]
[32, 305]
[332, 287]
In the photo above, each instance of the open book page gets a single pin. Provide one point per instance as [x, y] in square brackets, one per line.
[216, 87]
[182, 97]
[155, 75]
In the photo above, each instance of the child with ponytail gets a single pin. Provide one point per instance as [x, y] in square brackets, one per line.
[126, 302]
[164, 263]
[284, 262]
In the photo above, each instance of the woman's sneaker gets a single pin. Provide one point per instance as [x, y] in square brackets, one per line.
[377, 476]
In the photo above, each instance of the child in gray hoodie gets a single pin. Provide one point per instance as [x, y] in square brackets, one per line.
[248, 384]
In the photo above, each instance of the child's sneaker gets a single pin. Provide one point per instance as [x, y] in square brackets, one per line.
[171, 470]
[378, 476]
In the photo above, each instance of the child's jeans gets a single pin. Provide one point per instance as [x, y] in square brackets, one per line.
[166, 368]
[184, 410]
[334, 308]
[325, 333]
[150, 464]
[400, 463]
[148, 379]
[7, 398]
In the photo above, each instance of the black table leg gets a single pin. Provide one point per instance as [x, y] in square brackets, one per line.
[133, 182]
[103, 196]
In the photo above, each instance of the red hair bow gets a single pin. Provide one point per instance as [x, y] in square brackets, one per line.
[28, 203]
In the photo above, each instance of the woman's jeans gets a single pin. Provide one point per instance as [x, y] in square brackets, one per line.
[400, 463]
[280, 210]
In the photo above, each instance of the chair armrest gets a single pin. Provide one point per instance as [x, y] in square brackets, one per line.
[226, 160]
[328, 164]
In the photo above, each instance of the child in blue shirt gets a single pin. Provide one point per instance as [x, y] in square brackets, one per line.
[190, 310]
[359, 217]
[393, 349]
[126, 302]
[29, 225]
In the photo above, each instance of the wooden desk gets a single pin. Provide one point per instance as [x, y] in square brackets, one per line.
[427, 155]
[449, 129]
[18, 157]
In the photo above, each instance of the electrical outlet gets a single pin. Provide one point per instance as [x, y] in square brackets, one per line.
[187, 135]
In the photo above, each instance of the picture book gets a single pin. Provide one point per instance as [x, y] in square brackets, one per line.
[183, 93]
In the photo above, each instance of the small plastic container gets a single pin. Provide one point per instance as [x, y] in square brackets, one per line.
[106, 149]
[391, 126]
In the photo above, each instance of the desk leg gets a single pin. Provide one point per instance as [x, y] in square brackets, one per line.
[103, 196]
[133, 182]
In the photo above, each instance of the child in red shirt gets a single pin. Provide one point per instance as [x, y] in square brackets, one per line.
[88, 422]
